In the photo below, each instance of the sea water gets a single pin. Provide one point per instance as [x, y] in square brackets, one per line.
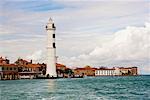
[89, 88]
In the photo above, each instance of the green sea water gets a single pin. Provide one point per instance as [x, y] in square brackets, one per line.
[89, 88]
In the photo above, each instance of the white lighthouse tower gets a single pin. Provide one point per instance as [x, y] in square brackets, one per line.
[51, 49]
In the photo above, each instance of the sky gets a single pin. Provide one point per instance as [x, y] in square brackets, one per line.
[88, 32]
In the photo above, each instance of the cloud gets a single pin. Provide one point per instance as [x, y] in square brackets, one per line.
[14, 48]
[38, 56]
[128, 44]
[129, 47]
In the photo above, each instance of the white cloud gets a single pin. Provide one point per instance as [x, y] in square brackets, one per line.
[38, 56]
[14, 48]
[130, 46]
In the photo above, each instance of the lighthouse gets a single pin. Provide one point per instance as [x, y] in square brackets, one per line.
[51, 49]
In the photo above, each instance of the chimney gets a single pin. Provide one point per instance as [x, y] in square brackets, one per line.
[31, 61]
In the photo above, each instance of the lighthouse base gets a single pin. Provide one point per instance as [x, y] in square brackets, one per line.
[46, 77]
[50, 76]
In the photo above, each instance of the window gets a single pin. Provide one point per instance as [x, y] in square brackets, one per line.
[53, 26]
[53, 35]
[96, 72]
[14, 68]
[10, 68]
[2, 68]
[54, 45]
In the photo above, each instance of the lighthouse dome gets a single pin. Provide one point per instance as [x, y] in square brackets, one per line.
[50, 20]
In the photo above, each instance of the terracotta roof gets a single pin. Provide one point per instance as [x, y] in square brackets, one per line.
[125, 68]
[105, 69]
[85, 68]
[22, 60]
[1, 58]
[60, 65]
[43, 64]
[32, 65]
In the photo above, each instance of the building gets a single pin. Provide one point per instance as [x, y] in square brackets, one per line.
[60, 67]
[126, 71]
[21, 69]
[86, 71]
[63, 71]
[116, 71]
[8, 72]
[104, 71]
[4, 60]
[51, 49]
[134, 71]
[22, 62]
[28, 70]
